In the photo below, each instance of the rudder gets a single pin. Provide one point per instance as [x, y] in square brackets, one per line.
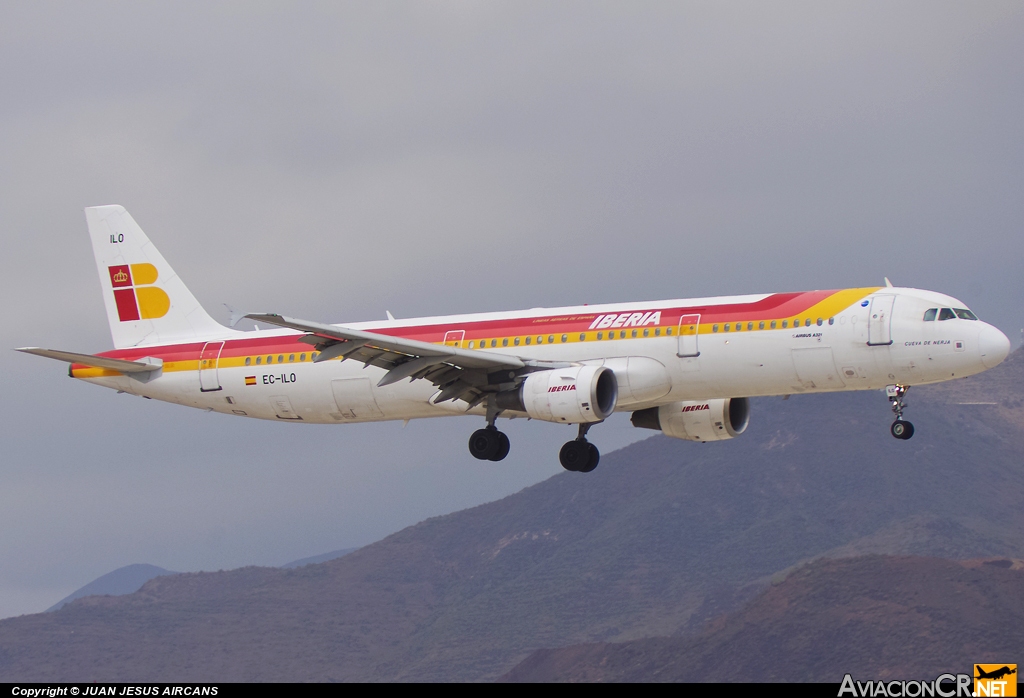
[146, 301]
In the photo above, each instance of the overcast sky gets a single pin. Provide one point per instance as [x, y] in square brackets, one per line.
[332, 161]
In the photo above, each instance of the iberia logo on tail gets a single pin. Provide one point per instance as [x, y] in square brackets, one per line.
[134, 293]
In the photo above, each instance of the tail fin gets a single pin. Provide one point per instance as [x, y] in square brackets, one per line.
[146, 301]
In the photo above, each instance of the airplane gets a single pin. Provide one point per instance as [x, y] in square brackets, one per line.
[995, 674]
[686, 367]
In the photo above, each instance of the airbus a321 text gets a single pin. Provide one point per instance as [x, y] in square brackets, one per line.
[685, 367]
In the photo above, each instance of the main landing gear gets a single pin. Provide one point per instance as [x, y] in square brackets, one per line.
[579, 455]
[900, 429]
[489, 444]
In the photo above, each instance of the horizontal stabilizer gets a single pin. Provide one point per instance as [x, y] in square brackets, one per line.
[146, 366]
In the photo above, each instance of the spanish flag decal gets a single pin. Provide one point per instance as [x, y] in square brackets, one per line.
[250, 380]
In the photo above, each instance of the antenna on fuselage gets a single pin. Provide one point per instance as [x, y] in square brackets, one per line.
[887, 282]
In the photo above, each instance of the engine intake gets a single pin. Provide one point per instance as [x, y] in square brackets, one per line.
[575, 395]
[700, 420]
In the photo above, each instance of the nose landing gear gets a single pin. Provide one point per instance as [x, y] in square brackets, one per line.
[900, 428]
[579, 455]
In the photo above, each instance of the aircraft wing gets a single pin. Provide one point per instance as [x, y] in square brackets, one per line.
[460, 373]
[95, 361]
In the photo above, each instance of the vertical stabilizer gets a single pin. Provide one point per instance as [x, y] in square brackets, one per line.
[146, 301]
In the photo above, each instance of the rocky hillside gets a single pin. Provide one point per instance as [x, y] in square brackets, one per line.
[663, 536]
[875, 617]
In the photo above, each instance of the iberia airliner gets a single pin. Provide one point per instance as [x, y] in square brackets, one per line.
[685, 367]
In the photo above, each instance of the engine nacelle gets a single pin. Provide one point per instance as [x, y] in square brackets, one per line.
[574, 395]
[701, 420]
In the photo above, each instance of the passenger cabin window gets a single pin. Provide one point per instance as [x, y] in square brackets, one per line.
[929, 315]
[248, 360]
[947, 314]
[965, 314]
[565, 338]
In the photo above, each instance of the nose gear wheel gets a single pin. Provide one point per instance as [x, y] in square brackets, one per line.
[901, 429]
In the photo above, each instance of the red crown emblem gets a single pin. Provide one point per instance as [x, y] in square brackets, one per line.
[120, 277]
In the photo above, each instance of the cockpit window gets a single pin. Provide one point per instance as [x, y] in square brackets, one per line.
[965, 314]
[929, 315]
[946, 314]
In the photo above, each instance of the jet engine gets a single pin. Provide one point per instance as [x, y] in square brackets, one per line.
[701, 420]
[574, 395]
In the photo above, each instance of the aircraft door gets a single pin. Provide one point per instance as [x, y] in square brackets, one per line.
[688, 331]
[283, 407]
[816, 369]
[354, 398]
[880, 320]
[209, 358]
[453, 338]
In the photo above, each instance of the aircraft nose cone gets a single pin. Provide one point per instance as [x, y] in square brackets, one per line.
[993, 345]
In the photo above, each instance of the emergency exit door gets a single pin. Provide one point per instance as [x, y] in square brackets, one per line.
[209, 358]
[688, 331]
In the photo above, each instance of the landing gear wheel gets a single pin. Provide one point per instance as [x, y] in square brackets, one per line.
[902, 430]
[484, 444]
[595, 458]
[575, 455]
[503, 447]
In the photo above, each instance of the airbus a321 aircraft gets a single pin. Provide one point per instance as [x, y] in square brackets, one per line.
[684, 367]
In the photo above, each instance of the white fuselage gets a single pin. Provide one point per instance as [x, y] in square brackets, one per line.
[851, 349]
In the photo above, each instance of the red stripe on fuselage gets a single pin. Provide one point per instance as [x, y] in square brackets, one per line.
[775, 306]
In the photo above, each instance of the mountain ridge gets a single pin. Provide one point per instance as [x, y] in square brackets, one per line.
[875, 617]
[661, 537]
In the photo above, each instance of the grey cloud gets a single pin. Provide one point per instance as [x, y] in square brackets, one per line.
[333, 161]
